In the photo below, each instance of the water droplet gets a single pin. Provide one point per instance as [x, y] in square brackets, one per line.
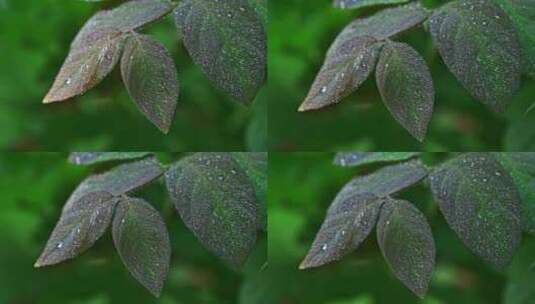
[324, 247]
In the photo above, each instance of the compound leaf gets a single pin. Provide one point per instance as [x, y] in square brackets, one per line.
[90, 158]
[119, 180]
[343, 4]
[522, 14]
[406, 87]
[216, 200]
[387, 180]
[142, 240]
[481, 204]
[150, 77]
[478, 44]
[78, 228]
[407, 244]
[255, 165]
[348, 222]
[353, 159]
[228, 40]
[521, 167]
[347, 65]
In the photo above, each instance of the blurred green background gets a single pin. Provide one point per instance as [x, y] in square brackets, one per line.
[302, 186]
[300, 32]
[33, 189]
[34, 40]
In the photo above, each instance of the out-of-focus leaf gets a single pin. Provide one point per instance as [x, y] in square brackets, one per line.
[119, 180]
[363, 3]
[78, 228]
[348, 222]
[150, 77]
[481, 204]
[478, 44]
[522, 14]
[142, 240]
[255, 165]
[347, 65]
[519, 288]
[228, 40]
[407, 244]
[90, 158]
[406, 87]
[387, 180]
[215, 198]
[353, 159]
[521, 167]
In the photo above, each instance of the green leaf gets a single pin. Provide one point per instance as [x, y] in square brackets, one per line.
[216, 200]
[90, 158]
[387, 180]
[347, 65]
[348, 222]
[407, 244]
[522, 14]
[255, 165]
[349, 4]
[406, 87]
[521, 167]
[481, 204]
[478, 44]
[122, 179]
[142, 240]
[78, 228]
[521, 275]
[261, 8]
[228, 40]
[385, 24]
[150, 77]
[354, 159]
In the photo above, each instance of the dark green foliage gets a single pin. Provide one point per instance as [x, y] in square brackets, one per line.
[407, 244]
[406, 87]
[480, 47]
[353, 159]
[362, 3]
[216, 200]
[481, 204]
[142, 241]
[90, 158]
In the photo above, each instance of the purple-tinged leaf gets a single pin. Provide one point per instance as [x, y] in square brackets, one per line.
[353, 159]
[78, 228]
[407, 244]
[150, 77]
[142, 240]
[90, 158]
[481, 204]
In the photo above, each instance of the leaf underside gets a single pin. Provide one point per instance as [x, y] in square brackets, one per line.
[406, 87]
[480, 202]
[407, 244]
[479, 45]
[78, 228]
[216, 201]
[150, 76]
[90, 158]
[354, 159]
[141, 239]
[228, 40]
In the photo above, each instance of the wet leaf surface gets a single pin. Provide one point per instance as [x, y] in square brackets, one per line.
[348, 222]
[142, 241]
[78, 228]
[521, 167]
[255, 165]
[150, 77]
[407, 244]
[120, 180]
[90, 158]
[406, 87]
[215, 198]
[481, 204]
[353, 159]
[479, 45]
[228, 40]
